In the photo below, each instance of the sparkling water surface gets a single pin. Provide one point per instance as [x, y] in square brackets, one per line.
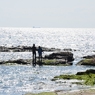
[18, 80]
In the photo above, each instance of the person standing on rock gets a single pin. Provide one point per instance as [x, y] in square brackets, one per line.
[34, 55]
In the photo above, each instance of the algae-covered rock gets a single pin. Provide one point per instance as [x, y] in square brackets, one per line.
[43, 93]
[88, 77]
[56, 62]
[87, 61]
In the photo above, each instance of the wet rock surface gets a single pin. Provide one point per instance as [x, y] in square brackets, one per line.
[87, 60]
[86, 72]
[18, 61]
[67, 56]
[87, 77]
[89, 56]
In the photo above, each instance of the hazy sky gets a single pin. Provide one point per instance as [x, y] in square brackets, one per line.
[47, 13]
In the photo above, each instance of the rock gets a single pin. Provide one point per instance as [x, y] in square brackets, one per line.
[54, 62]
[1, 63]
[69, 63]
[89, 56]
[42, 93]
[86, 72]
[24, 49]
[60, 57]
[67, 49]
[57, 62]
[86, 77]
[50, 49]
[87, 60]
[18, 61]
[68, 56]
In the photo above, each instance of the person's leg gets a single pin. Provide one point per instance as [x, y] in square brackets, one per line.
[33, 58]
[34, 64]
[41, 58]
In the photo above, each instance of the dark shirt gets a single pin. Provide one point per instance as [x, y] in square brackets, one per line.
[34, 50]
[40, 51]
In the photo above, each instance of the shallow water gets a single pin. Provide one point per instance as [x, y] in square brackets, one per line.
[18, 80]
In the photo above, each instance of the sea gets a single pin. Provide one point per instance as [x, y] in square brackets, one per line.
[19, 79]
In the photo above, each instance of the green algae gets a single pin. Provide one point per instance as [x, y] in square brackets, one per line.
[43, 93]
[87, 61]
[88, 77]
[49, 62]
[55, 62]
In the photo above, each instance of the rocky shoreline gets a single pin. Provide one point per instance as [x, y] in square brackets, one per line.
[28, 49]
[57, 57]
[60, 58]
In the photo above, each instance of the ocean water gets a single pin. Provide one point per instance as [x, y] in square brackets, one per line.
[79, 39]
[18, 80]
[75, 38]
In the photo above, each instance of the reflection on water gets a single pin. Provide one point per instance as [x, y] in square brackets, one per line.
[17, 80]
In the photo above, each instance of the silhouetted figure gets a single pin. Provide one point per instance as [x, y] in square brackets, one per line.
[40, 55]
[34, 55]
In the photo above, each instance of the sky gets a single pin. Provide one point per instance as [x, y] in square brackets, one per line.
[47, 13]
